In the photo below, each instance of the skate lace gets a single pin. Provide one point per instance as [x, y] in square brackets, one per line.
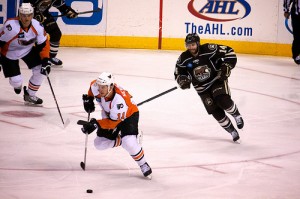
[145, 167]
[234, 134]
[33, 98]
[55, 59]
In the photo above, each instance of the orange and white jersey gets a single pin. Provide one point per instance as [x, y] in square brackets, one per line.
[114, 110]
[18, 42]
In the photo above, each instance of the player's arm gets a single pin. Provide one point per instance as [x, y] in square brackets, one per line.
[225, 61]
[181, 74]
[64, 9]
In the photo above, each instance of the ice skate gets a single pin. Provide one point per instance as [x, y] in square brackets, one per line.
[146, 170]
[18, 90]
[297, 60]
[56, 63]
[31, 100]
[239, 121]
[235, 136]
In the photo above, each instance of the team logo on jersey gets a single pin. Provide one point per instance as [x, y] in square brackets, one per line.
[201, 73]
[8, 27]
[26, 43]
[119, 106]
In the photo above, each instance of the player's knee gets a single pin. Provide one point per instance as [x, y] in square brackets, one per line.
[16, 81]
[102, 143]
[129, 142]
[223, 101]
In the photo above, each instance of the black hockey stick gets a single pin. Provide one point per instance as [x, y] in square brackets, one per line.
[80, 13]
[156, 96]
[67, 121]
[81, 122]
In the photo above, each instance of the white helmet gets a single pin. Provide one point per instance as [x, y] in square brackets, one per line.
[107, 79]
[26, 8]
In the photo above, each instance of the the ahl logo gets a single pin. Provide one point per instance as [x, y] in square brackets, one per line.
[219, 10]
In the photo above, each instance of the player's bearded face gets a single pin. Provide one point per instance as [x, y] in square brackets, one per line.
[103, 90]
[192, 47]
[25, 19]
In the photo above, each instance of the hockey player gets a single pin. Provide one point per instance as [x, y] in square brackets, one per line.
[118, 125]
[41, 13]
[208, 67]
[295, 16]
[25, 38]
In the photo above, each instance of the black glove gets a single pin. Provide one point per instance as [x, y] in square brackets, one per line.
[184, 81]
[225, 71]
[0, 63]
[88, 103]
[70, 13]
[46, 66]
[90, 126]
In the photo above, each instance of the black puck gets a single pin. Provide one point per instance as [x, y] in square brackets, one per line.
[89, 191]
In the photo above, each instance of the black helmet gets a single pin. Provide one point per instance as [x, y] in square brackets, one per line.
[191, 38]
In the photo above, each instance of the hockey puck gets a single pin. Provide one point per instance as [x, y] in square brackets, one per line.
[89, 191]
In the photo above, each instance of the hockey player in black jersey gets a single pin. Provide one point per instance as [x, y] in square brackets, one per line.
[207, 67]
[41, 13]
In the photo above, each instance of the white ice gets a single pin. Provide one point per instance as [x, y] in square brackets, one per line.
[190, 154]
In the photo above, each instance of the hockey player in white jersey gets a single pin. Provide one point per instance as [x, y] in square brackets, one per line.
[118, 125]
[25, 38]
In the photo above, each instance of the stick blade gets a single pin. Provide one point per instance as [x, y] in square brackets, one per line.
[82, 165]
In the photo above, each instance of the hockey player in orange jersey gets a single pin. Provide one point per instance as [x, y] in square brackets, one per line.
[118, 125]
[25, 38]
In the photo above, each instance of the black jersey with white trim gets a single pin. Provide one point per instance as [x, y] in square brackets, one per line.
[204, 67]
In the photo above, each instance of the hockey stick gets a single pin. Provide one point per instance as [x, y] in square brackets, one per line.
[156, 96]
[80, 13]
[68, 121]
[82, 164]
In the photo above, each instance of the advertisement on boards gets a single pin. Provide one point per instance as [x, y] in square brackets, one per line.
[241, 20]
[93, 23]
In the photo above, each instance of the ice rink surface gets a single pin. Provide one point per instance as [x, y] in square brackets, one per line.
[190, 154]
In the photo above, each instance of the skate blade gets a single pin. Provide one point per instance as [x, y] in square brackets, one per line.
[149, 177]
[32, 104]
[56, 66]
[239, 141]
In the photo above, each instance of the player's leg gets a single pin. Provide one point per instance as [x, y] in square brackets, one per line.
[213, 109]
[54, 32]
[11, 70]
[296, 32]
[221, 95]
[129, 132]
[33, 62]
[225, 123]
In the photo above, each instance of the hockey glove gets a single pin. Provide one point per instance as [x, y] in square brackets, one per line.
[88, 103]
[225, 71]
[46, 66]
[184, 81]
[70, 13]
[89, 127]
